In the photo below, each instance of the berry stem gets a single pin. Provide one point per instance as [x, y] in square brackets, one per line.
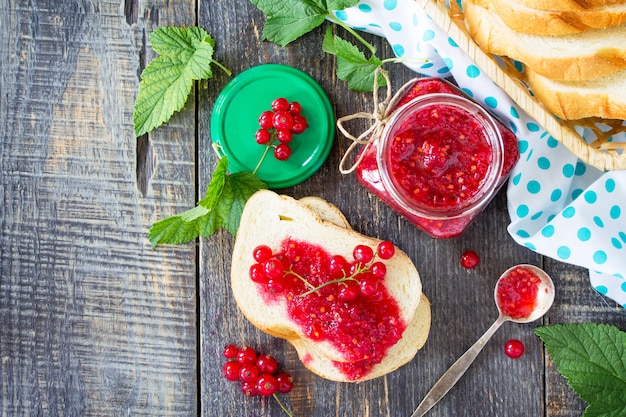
[301, 278]
[327, 283]
[267, 149]
[285, 409]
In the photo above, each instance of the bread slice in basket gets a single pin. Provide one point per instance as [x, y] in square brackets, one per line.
[270, 219]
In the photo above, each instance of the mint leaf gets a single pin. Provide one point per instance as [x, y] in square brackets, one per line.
[352, 65]
[287, 20]
[592, 357]
[185, 56]
[221, 207]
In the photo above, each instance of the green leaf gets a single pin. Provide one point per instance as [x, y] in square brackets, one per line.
[352, 65]
[592, 357]
[287, 20]
[185, 56]
[221, 207]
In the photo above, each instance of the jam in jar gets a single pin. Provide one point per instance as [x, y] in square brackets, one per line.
[440, 160]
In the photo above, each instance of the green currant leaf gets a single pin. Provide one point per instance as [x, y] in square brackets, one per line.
[352, 65]
[185, 56]
[592, 358]
[221, 207]
[287, 20]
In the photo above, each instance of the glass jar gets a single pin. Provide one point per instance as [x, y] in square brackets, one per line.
[440, 160]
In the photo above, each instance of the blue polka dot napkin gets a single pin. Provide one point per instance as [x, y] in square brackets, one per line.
[559, 206]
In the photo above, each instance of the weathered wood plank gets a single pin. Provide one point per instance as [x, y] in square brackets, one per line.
[94, 323]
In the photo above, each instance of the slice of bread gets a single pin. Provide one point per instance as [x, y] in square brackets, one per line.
[269, 219]
[603, 97]
[568, 5]
[580, 56]
[522, 18]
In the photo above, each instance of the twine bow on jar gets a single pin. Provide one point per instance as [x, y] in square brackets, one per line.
[383, 111]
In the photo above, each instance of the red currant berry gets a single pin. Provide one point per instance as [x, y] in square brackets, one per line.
[355, 268]
[266, 119]
[348, 291]
[267, 364]
[284, 136]
[230, 370]
[230, 352]
[337, 266]
[280, 104]
[267, 385]
[276, 285]
[249, 389]
[257, 274]
[262, 136]
[262, 253]
[274, 268]
[248, 372]
[282, 120]
[514, 348]
[369, 285]
[295, 108]
[470, 259]
[379, 270]
[246, 355]
[363, 253]
[386, 250]
[282, 152]
[285, 382]
[299, 124]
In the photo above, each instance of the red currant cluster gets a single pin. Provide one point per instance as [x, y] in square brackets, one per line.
[279, 125]
[258, 374]
[358, 277]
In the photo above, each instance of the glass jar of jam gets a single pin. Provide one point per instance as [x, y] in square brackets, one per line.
[440, 160]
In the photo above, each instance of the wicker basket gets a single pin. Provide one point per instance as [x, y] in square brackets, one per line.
[600, 153]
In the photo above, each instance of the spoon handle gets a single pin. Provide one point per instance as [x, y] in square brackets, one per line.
[455, 372]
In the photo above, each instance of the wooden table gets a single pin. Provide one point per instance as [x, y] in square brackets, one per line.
[96, 323]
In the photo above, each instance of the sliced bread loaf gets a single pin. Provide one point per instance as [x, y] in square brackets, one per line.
[579, 56]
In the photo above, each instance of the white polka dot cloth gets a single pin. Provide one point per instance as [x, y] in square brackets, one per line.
[559, 206]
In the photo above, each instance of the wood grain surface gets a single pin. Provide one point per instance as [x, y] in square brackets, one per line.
[96, 323]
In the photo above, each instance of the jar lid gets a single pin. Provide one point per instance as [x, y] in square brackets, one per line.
[236, 112]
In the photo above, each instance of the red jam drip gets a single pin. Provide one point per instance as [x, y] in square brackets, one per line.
[362, 329]
[440, 156]
[516, 293]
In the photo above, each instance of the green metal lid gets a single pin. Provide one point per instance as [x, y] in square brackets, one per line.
[234, 123]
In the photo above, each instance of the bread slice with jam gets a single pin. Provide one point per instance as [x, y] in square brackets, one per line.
[354, 340]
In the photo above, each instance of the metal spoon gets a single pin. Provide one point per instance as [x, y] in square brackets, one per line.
[545, 297]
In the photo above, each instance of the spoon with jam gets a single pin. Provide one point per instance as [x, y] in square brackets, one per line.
[523, 294]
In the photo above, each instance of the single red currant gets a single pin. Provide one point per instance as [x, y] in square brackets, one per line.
[295, 108]
[386, 250]
[282, 120]
[369, 285]
[230, 370]
[285, 382]
[230, 352]
[249, 389]
[337, 266]
[276, 285]
[363, 253]
[379, 270]
[282, 152]
[246, 355]
[470, 259]
[299, 124]
[267, 364]
[262, 253]
[514, 348]
[248, 372]
[274, 268]
[284, 135]
[257, 274]
[262, 136]
[266, 119]
[348, 290]
[280, 104]
[267, 385]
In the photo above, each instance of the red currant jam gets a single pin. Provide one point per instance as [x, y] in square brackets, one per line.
[516, 293]
[440, 160]
[362, 327]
